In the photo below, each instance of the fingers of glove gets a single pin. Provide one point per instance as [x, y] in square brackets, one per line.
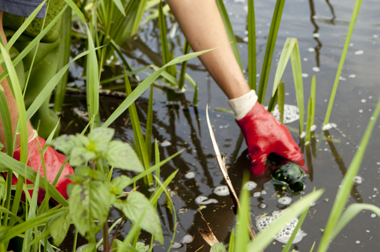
[258, 164]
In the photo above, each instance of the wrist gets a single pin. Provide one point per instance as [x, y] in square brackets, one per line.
[243, 104]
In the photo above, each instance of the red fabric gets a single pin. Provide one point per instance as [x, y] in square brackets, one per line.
[264, 135]
[53, 163]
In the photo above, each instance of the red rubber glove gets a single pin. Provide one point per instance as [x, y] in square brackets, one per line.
[264, 135]
[53, 163]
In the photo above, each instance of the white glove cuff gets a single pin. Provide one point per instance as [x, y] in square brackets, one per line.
[243, 104]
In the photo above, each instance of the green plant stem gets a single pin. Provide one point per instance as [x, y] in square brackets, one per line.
[251, 45]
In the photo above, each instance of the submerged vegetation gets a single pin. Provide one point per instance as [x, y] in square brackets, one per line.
[102, 26]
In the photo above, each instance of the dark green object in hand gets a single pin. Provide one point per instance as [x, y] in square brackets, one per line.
[291, 175]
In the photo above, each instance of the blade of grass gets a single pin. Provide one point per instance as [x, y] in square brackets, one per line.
[163, 35]
[145, 84]
[295, 231]
[281, 100]
[231, 243]
[308, 119]
[351, 211]
[251, 45]
[354, 16]
[186, 50]
[139, 14]
[347, 183]
[6, 119]
[196, 89]
[266, 236]
[137, 132]
[230, 32]
[313, 95]
[243, 222]
[275, 25]
[149, 125]
[295, 59]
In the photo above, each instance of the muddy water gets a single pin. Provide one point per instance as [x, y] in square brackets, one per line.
[320, 27]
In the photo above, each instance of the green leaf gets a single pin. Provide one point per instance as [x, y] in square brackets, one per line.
[120, 6]
[141, 247]
[89, 202]
[118, 184]
[59, 227]
[101, 135]
[218, 248]
[80, 156]
[64, 143]
[91, 247]
[121, 155]
[135, 204]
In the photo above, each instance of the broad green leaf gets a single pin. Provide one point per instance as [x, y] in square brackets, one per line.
[141, 247]
[80, 156]
[91, 247]
[118, 184]
[121, 155]
[59, 227]
[89, 202]
[101, 135]
[218, 248]
[64, 143]
[135, 204]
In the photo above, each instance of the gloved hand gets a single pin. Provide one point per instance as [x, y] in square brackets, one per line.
[53, 163]
[264, 135]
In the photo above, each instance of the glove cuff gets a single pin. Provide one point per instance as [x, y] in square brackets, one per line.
[243, 104]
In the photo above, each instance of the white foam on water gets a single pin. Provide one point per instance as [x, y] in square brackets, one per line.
[176, 245]
[203, 200]
[329, 126]
[222, 190]
[285, 200]
[303, 134]
[305, 75]
[360, 52]
[316, 35]
[311, 49]
[373, 215]
[187, 239]
[291, 113]
[363, 100]
[190, 175]
[313, 127]
[257, 194]
[166, 143]
[358, 180]
[316, 69]
[250, 185]
[283, 236]
[352, 76]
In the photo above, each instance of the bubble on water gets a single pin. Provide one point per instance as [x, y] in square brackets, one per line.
[329, 126]
[316, 35]
[285, 200]
[312, 204]
[166, 143]
[262, 205]
[311, 49]
[291, 113]
[363, 100]
[357, 242]
[358, 180]
[263, 192]
[352, 76]
[342, 78]
[304, 59]
[373, 215]
[257, 194]
[222, 190]
[360, 111]
[187, 239]
[359, 52]
[250, 185]
[368, 231]
[313, 128]
[190, 175]
[203, 200]
[326, 200]
[283, 236]
[316, 69]
[378, 163]
[176, 245]
[245, 39]
[305, 75]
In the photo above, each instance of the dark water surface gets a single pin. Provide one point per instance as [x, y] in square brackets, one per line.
[320, 27]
